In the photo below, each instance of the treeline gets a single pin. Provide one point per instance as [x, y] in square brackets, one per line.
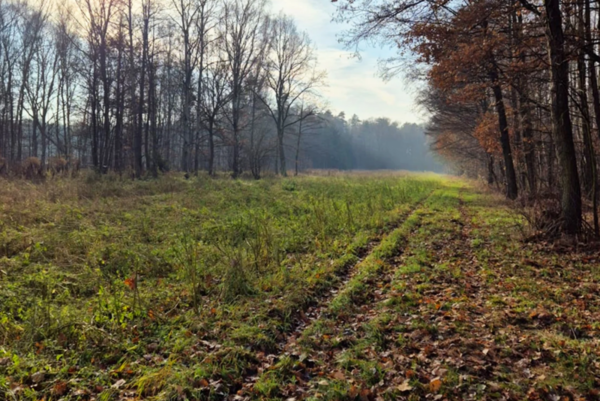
[375, 144]
[140, 86]
[512, 87]
[143, 86]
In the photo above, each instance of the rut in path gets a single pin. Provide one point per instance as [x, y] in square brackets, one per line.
[319, 359]
[449, 325]
[305, 318]
[445, 239]
[323, 308]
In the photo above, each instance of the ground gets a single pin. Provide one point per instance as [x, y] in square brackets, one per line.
[341, 287]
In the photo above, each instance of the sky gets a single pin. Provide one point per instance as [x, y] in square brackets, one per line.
[353, 85]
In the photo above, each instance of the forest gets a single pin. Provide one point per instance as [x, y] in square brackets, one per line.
[184, 216]
[512, 88]
[142, 87]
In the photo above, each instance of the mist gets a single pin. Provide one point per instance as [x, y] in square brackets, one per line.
[334, 142]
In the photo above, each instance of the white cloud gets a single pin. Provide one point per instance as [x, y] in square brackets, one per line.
[353, 84]
[305, 10]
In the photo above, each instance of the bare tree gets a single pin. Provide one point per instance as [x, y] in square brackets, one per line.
[65, 40]
[290, 69]
[40, 89]
[32, 26]
[205, 27]
[99, 15]
[308, 122]
[243, 33]
[215, 97]
[141, 134]
[9, 28]
[187, 16]
[131, 85]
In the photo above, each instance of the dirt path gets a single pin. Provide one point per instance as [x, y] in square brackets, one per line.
[374, 285]
[461, 310]
[306, 318]
[317, 303]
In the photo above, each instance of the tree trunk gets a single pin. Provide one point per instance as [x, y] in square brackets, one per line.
[297, 167]
[120, 106]
[528, 140]
[139, 132]
[106, 102]
[490, 175]
[211, 148]
[588, 149]
[94, 118]
[511, 177]
[282, 166]
[562, 128]
[153, 156]
[524, 111]
[596, 104]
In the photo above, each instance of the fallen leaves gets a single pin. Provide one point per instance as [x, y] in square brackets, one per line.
[118, 384]
[59, 388]
[130, 283]
[38, 377]
[405, 386]
[455, 316]
[467, 318]
[435, 385]
[338, 375]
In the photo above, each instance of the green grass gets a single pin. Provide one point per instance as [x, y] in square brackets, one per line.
[404, 287]
[465, 310]
[163, 288]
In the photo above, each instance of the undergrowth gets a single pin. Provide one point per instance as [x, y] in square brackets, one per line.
[168, 288]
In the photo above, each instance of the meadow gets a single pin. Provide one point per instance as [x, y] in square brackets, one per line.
[101, 275]
[344, 287]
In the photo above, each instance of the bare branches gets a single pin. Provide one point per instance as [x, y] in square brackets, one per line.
[290, 75]
[143, 86]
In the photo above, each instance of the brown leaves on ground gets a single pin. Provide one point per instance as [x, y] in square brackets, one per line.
[464, 311]
[471, 313]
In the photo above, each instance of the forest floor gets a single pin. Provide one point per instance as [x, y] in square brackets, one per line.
[349, 287]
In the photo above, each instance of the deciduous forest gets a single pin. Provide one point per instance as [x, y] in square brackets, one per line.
[144, 87]
[512, 88]
[184, 215]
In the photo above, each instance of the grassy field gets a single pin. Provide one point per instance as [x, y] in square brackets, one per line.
[347, 287]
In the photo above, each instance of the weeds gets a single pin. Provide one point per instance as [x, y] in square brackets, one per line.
[104, 279]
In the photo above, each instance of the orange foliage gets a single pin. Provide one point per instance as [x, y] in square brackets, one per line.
[487, 133]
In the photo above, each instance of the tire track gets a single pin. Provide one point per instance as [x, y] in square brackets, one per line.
[308, 310]
[370, 321]
[320, 309]
[316, 310]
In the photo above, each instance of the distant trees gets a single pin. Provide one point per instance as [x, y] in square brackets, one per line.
[332, 142]
[511, 86]
[290, 74]
[142, 86]
[244, 29]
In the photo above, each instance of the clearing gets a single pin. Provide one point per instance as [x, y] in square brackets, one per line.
[346, 287]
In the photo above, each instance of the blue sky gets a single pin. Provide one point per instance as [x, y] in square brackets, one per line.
[353, 85]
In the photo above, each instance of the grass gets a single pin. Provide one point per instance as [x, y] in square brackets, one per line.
[162, 288]
[327, 287]
[466, 311]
